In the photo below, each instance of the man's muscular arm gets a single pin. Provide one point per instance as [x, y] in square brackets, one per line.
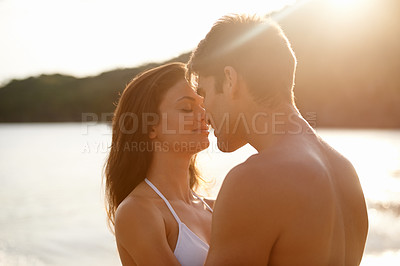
[240, 233]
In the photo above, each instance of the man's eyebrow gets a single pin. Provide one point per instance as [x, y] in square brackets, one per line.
[186, 97]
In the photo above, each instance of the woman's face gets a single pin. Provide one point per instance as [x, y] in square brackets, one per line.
[182, 126]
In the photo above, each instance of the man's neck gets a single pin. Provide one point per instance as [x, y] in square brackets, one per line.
[272, 126]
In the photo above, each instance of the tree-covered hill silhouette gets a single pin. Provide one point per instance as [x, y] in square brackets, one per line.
[60, 98]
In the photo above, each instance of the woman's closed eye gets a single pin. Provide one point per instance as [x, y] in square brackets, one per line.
[187, 110]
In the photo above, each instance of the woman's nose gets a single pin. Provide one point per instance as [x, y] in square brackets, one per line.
[201, 116]
[202, 113]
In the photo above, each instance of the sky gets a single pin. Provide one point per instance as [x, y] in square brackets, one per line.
[87, 37]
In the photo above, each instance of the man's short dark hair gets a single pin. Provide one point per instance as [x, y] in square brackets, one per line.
[258, 50]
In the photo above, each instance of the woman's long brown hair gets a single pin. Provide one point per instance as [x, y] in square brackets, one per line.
[131, 149]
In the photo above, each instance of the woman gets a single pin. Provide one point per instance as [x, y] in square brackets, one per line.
[158, 127]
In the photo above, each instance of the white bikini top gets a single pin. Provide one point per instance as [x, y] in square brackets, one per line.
[190, 249]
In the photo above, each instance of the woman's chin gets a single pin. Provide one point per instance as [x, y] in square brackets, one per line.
[201, 146]
[191, 147]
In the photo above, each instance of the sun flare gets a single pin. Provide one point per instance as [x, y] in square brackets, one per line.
[346, 4]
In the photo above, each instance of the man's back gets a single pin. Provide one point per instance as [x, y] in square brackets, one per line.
[297, 203]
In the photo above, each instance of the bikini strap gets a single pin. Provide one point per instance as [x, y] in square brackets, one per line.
[208, 207]
[165, 200]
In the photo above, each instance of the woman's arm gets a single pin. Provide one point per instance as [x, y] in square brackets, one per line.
[141, 236]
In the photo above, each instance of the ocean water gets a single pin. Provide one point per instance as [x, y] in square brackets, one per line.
[52, 205]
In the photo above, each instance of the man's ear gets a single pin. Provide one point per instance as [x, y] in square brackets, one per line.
[152, 133]
[231, 81]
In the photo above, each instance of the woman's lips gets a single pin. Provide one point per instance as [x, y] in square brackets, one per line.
[202, 130]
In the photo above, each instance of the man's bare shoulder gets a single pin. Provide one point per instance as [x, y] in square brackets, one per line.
[269, 169]
[277, 185]
[338, 160]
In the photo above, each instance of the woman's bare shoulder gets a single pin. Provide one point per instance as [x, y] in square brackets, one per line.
[139, 228]
[136, 209]
[138, 219]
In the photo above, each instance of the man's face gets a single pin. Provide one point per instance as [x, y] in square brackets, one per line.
[206, 89]
[220, 113]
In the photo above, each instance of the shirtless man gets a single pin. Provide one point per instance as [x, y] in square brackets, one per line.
[297, 201]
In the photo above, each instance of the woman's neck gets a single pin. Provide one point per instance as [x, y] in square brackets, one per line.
[170, 174]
